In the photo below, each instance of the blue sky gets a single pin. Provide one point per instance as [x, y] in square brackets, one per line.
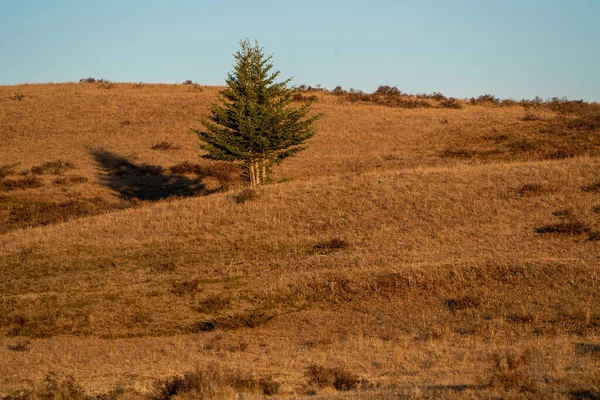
[462, 48]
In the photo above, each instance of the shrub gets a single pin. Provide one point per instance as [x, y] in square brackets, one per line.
[386, 90]
[530, 117]
[17, 96]
[164, 145]
[212, 304]
[329, 246]
[511, 371]
[21, 346]
[338, 91]
[57, 167]
[20, 183]
[186, 288]
[573, 228]
[450, 103]
[244, 196]
[593, 188]
[7, 169]
[462, 303]
[212, 382]
[485, 99]
[531, 190]
[339, 378]
[70, 180]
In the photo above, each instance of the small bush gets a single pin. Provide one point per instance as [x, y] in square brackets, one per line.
[573, 228]
[596, 209]
[450, 103]
[21, 346]
[35, 213]
[559, 155]
[17, 96]
[511, 371]
[530, 117]
[269, 386]
[250, 319]
[462, 303]
[212, 304]
[187, 167]
[245, 195]
[509, 103]
[339, 378]
[57, 167]
[531, 190]
[593, 188]
[320, 376]
[164, 267]
[7, 169]
[189, 82]
[594, 236]
[299, 97]
[164, 145]
[186, 288]
[338, 91]
[332, 245]
[212, 382]
[485, 99]
[566, 213]
[70, 180]
[386, 90]
[20, 183]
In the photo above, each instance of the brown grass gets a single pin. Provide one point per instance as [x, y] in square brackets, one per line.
[398, 255]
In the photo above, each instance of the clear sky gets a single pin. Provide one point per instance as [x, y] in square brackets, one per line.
[462, 48]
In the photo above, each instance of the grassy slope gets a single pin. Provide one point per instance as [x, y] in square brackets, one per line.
[404, 250]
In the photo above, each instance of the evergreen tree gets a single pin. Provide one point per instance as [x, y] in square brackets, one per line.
[254, 124]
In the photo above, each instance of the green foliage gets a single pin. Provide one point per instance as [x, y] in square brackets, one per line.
[254, 124]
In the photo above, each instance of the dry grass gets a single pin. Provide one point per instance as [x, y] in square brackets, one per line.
[420, 252]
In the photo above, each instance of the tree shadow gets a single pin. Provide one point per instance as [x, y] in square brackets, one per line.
[144, 181]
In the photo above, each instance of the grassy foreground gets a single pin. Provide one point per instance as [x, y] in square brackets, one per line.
[420, 252]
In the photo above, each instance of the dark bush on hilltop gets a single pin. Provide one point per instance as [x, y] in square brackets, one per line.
[93, 80]
[564, 105]
[385, 90]
[299, 97]
[485, 99]
[358, 95]
[437, 96]
[338, 91]
[450, 103]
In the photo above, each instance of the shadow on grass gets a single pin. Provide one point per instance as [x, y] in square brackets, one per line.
[144, 181]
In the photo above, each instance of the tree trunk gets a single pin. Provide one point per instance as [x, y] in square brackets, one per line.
[252, 172]
[264, 171]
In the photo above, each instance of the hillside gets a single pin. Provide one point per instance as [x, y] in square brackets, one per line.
[413, 249]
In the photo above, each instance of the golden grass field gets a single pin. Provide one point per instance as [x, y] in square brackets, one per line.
[407, 253]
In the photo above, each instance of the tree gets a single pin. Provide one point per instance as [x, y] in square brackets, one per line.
[254, 124]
